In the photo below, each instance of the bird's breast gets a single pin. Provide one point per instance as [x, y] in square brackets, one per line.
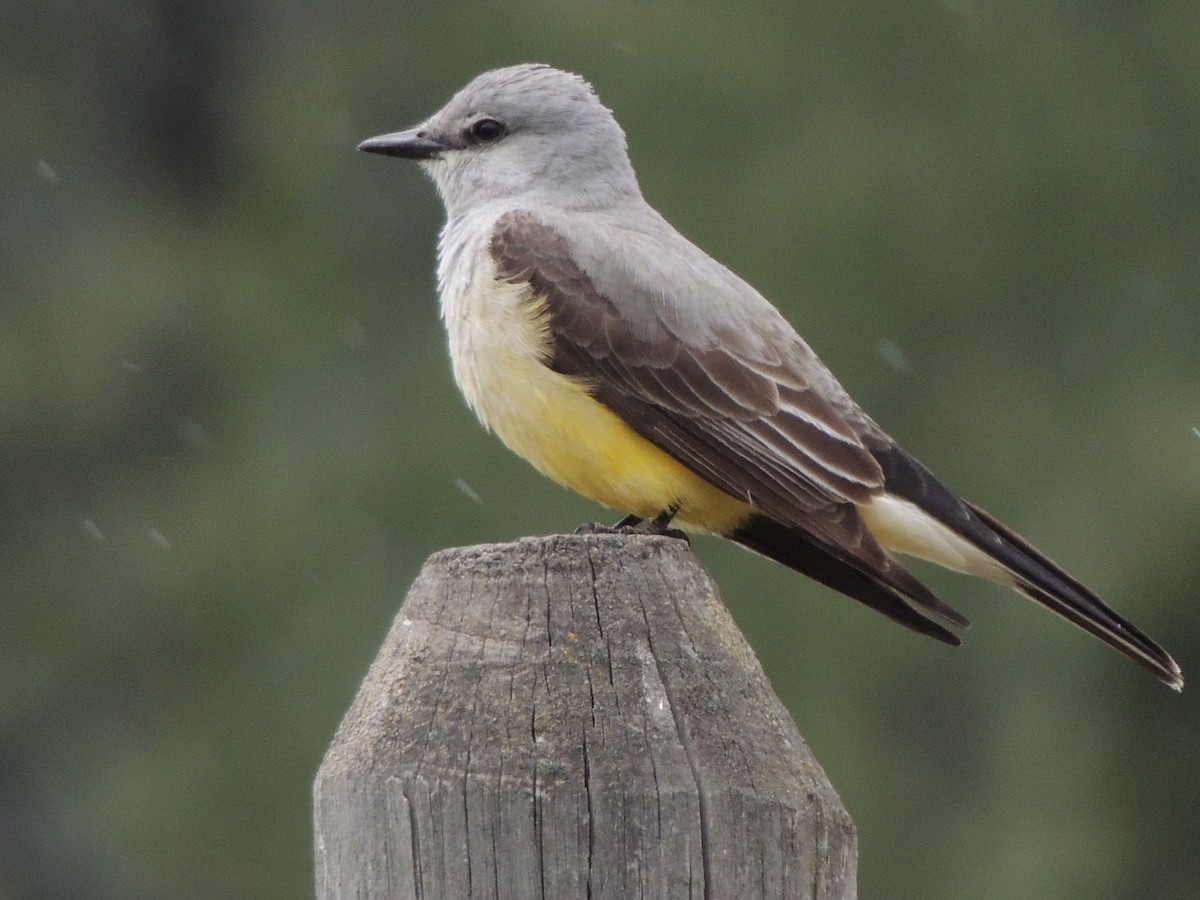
[500, 343]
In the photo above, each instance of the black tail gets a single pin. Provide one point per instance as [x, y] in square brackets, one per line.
[895, 592]
[1041, 579]
[1036, 576]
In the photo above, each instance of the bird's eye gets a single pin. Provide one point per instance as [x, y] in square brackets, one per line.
[487, 130]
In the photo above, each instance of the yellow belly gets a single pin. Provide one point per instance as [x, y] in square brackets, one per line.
[498, 341]
[584, 446]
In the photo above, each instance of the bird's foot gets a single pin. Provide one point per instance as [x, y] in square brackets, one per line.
[632, 524]
[601, 528]
[661, 524]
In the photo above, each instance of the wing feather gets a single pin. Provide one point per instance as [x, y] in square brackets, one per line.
[740, 413]
[754, 428]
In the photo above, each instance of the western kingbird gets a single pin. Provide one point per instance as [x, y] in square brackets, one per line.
[625, 363]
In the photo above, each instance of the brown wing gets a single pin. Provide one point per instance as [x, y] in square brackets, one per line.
[750, 423]
[753, 427]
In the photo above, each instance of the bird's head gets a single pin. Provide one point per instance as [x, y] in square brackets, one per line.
[522, 133]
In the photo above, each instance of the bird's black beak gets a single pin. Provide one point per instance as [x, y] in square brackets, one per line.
[416, 143]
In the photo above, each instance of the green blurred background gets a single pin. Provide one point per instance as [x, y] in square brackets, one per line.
[229, 435]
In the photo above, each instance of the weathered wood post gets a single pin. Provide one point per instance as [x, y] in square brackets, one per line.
[573, 717]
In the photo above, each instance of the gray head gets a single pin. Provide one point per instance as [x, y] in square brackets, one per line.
[525, 132]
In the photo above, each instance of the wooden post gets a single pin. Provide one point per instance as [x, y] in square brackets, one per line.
[573, 717]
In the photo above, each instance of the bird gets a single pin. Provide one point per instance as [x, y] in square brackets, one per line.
[625, 363]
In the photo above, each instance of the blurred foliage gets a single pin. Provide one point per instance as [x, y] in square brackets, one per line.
[229, 436]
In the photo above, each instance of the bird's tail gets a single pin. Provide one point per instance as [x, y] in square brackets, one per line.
[1007, 558]
[890, 589]
[1044, 581]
